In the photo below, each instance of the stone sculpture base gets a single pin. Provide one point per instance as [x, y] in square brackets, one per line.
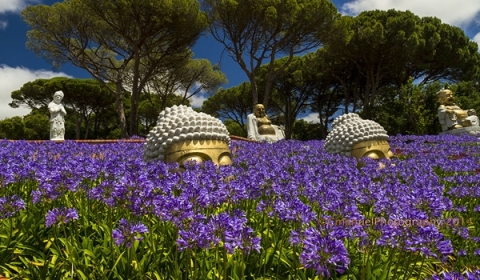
[472, 130]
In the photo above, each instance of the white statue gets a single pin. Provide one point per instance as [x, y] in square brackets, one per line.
[260, 128]
[57, 117]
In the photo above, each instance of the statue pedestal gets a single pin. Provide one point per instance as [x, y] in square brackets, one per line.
[472, 130]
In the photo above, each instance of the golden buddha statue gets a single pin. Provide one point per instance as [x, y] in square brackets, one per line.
[451, 116]
[260, 127]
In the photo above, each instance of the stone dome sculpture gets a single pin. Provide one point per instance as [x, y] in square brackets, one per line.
[354, 136]
[182, 134]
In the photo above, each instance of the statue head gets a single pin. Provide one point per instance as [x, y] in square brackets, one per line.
[259, 111]
[445, 97]
[58, 96]
[354, 136]
[182, 135]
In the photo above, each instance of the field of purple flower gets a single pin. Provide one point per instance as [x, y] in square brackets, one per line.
[287, 210]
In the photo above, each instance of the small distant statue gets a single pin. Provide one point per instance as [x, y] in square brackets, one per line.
[57, 117]
[452, 117]
[260, 128]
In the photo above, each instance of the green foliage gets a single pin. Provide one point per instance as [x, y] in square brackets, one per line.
[303, 130]
[12, 128]
[410, 110]
[293, 89]
[233, 103]
[380, 49]
[414, 108]
[234, 128]
[256, 30]
[467, 95]
[191, 77]
[150, 107]
[125, 43]
[89, 105]
[37, 125]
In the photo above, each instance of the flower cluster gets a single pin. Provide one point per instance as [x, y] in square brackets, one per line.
[10, 205]
[229, 230]
[128, 232]
[269, 193]
[60, 216]
[324, 253]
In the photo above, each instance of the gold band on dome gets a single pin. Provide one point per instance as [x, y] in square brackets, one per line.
[375, 149]
[199, 150]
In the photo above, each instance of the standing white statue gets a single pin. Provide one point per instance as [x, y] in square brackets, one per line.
[57, 117]
[260, 128]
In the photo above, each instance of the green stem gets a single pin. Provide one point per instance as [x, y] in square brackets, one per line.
[366, 263]
[217, 262]
[421, 266]
[175, 263]
[242, 265]
[398, 264]
[225, 260]
[67, 248]
[408, 272]
[390, 262]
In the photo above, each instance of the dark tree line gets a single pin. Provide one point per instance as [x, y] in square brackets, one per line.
[139, 51]
[121, 43]
[385, 65]
[91, 112]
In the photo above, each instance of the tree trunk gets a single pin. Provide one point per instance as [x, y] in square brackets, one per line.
[266, 93]
[120, 110]
[288, 119]
[135, 95]
[87, 127]
[78, 125]
[254, 92]
[134, 112]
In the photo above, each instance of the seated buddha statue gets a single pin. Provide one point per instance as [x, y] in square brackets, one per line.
[260, 128]
[452, 117]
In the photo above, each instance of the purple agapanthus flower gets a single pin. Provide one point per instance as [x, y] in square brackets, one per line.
[60, 216]
[10, 205]
[128, 232]
[462, 252]
[323, 253]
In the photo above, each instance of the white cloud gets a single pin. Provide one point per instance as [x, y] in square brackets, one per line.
[476, 38]
[12, 79]
[454, 12]
[14, 5]
[196, 101]
[312, 117]
[3, 24]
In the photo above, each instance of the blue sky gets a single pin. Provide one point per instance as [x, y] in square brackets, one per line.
[19, 65]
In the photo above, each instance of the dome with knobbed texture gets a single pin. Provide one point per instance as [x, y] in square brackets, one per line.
[350, 129]
[179, 123]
